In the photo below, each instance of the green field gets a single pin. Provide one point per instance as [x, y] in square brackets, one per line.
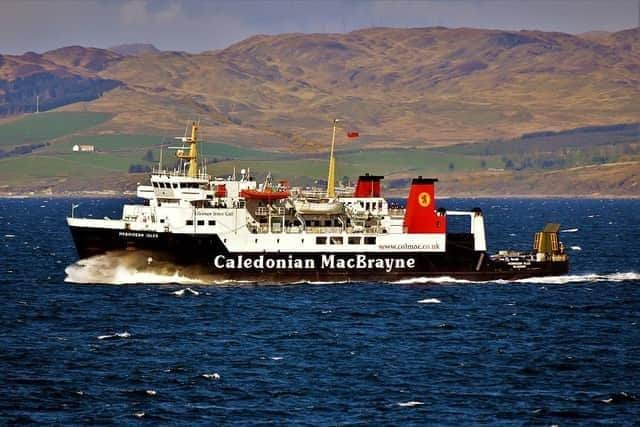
[558, 150]
[44, 127]
[22, 170]
[115, 153]
[353, 164]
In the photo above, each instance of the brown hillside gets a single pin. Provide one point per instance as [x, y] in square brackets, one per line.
[58, 77]
[404, 87]
[83, 60]
[397, 86]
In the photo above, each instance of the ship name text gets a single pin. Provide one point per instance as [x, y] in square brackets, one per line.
[138, 234]
[326, 261]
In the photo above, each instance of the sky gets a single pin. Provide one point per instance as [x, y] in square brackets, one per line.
[200, 25]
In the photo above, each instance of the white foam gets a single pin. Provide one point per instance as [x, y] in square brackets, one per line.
[151, 392]
[581, 278]
[139, 414]
[429, 301]
[119, 269]
[410, 403]
[181, 292]
[9, 236]
[337, 282]
[551, 280]
[442, 279]
[214, 376]
[276, 358]
[576, 248]
[570, 230]
[124, 334]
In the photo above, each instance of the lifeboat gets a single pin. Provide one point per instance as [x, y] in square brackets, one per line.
[318, 207]
[268, 191]
[266, 195]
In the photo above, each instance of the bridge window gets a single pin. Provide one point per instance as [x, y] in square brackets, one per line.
[353, 240]
[189, 222]
[321, 240]
[212, 222]
[201, 222]
[336, 240]
[370, 240]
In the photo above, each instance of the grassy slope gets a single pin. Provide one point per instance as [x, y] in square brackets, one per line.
[43, 127]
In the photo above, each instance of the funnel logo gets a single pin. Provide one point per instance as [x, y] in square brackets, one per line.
[424, 199]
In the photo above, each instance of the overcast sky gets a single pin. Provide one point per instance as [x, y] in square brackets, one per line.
[198, 25]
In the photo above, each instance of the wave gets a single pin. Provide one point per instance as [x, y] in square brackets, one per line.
[576, 248]
[441, 279]
[124, 334]
[213, 376]
[119, 268]
[182, 292]
[570, 230]
[429, 301]
[410, 403]
[582, 278]
[547, 280]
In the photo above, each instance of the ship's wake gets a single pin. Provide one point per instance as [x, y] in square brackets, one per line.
[545, 280]
[121, 267]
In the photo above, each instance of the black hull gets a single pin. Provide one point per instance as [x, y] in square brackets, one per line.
[209, 255]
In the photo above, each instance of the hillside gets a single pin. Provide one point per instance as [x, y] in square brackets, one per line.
[58, 77]
[402, 89]
[431, 86]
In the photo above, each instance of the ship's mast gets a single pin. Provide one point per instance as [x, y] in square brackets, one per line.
[192, 157]
[331, 179]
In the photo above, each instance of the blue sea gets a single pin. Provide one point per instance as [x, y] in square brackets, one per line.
[171, 349]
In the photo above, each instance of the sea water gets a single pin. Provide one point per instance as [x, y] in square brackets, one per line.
[167, 347]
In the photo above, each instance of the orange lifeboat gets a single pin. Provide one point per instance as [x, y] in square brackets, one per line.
[267, 194]
[269, 191]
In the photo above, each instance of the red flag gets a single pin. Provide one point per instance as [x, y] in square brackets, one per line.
[353, 134]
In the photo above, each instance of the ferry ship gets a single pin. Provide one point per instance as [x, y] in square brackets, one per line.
[238, 229]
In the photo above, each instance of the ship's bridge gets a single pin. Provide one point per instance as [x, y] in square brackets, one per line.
[173, 185]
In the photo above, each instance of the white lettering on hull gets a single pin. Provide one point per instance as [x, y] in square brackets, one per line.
[138, 234]
[327, 262]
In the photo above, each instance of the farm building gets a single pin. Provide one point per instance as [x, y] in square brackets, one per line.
[84, 148]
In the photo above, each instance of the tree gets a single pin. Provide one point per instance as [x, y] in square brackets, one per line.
[148, 156]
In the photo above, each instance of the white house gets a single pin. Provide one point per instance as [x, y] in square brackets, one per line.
[84, 148]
